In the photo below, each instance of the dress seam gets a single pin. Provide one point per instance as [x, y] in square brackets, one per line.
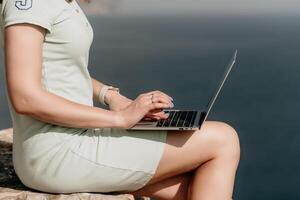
[45, 76]
[59, 13]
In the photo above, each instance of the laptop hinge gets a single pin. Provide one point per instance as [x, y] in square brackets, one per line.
[201, 119]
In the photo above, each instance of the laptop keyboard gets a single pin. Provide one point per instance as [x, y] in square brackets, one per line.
[178, 119]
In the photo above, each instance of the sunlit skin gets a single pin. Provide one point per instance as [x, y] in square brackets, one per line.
[195, 165]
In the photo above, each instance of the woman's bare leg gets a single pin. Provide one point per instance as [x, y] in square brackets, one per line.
[215, 178]
[175, 188]
[213, 152]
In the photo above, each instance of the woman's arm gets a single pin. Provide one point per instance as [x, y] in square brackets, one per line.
[23, 76]
[97, 85]
[23, 67]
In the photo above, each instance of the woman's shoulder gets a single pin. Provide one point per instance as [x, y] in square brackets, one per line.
[44, 7]
[41, 12]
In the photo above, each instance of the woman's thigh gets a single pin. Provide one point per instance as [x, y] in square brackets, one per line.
[187, 150]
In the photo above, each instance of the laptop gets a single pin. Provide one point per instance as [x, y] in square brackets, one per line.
[185, 119]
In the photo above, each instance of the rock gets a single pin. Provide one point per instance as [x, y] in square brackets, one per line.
[12, 188]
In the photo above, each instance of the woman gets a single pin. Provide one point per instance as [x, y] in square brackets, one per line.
[63, 144]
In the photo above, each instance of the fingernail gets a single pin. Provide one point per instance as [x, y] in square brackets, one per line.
[172, 105]
[171, 98]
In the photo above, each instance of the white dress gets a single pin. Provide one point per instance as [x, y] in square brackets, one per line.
[58, 159]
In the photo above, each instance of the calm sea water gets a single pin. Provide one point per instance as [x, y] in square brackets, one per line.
[185, 56]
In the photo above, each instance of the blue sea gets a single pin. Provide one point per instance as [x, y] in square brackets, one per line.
[185, 56]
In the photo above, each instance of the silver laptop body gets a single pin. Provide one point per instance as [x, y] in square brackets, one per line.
[186, 119]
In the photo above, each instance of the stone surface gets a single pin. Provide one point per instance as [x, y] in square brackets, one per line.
[12, 188]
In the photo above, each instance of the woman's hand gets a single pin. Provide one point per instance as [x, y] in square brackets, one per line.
[155, 114]
[145, 104]
[118, 102]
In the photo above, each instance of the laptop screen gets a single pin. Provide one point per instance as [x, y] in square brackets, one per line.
[222, 81]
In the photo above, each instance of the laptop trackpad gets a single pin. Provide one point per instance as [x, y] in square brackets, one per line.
[146, 123]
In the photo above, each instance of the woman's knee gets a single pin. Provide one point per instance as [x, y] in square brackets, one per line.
[223, 138]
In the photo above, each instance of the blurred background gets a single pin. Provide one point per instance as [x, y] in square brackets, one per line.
[182, 48]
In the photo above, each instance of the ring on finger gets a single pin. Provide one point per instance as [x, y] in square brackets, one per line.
[152, 98]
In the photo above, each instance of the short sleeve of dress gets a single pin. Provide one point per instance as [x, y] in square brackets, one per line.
[36, 12]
